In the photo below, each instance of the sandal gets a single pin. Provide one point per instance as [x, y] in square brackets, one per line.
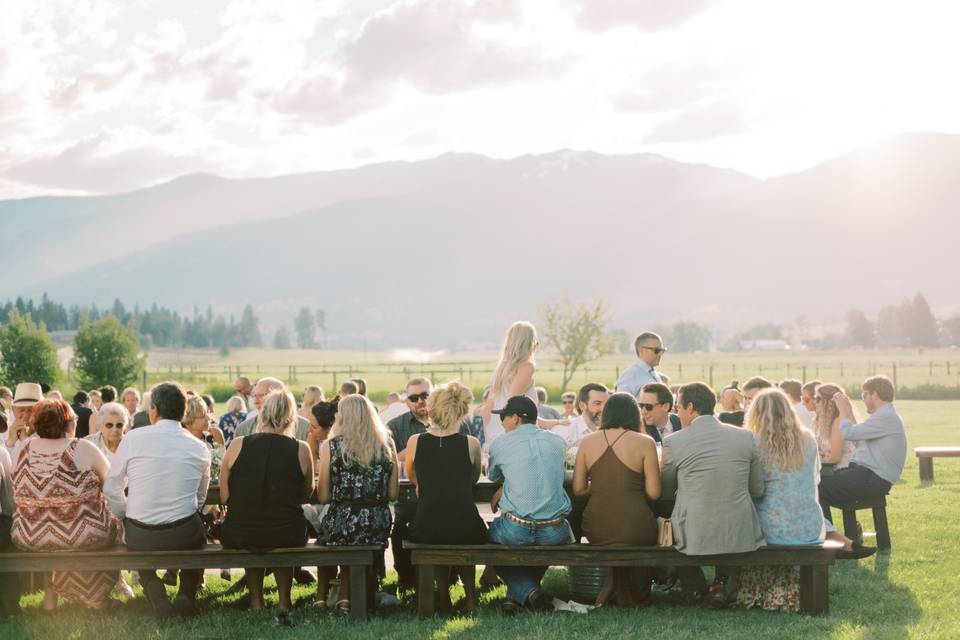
[320, 605]
[343, 606]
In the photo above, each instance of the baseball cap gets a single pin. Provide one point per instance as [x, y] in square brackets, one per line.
[519, 406]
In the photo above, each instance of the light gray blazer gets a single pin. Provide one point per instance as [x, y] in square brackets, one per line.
[714, 470]
[249, 425]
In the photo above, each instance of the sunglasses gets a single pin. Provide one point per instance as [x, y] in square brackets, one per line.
[417, 397]
[568, 402]
[646, 406]
[113, 425]
[656, 350]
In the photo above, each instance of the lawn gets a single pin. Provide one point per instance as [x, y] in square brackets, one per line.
[912, 592]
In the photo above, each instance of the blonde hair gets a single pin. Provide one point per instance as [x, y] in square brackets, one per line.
[448, 404]
[134, 391]
[781, 439]
[365, 439]
[736, 404]
[827, 411]
[311, 396]
[518, 347]
[279, 414]
[196, 408]
[235, 404]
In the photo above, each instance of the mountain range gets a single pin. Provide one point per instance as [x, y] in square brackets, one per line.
[448, 251]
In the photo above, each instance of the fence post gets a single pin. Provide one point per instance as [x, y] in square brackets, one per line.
[711, 376]
[788, 369]
[334, 389]
[804, 374]
[931, 368]
[841, 369]
[679, 371]
[761, 369]
[144, 379]
[948, 367]
[895, 375]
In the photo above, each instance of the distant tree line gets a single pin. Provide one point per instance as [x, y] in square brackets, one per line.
[908, 324]
[155, 326]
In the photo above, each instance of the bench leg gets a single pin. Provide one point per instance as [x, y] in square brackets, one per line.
[926, 469]
[883, 529]
[814, 597]
[850, 525]
[425, 578]
[358, 591]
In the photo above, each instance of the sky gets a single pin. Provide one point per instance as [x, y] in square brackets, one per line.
[103, 96]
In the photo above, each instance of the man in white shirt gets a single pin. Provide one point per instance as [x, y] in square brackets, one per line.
[395, 407]
[794, 390]
[590, 401]
[649, 348]
[166, 471]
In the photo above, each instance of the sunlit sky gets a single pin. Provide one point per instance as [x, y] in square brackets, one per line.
[102, 96]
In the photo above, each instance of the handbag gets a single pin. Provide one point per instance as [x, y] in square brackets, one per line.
[664, 532]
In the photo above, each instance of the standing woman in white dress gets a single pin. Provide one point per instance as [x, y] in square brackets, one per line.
[512, 377]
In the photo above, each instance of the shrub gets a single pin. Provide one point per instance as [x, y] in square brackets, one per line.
[106, 352]
[220, 392]
[27, 352]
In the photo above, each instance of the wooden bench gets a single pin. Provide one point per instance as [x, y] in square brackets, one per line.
[813, 560]
[211, 556]
[925, 456]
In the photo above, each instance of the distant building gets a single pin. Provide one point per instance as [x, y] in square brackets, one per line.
[764, 345]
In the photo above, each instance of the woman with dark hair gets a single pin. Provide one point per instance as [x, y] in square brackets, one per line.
[617, 467]
[58, 490]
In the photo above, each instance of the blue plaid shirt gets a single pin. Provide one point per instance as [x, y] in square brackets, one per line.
[530, 463]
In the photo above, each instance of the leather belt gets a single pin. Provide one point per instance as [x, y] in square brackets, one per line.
[162, 526]
[553, 522]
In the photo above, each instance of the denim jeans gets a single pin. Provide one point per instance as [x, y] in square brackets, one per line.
[521, 581]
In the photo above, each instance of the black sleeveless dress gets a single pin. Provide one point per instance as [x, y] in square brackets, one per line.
[266, 489]
[446, 512]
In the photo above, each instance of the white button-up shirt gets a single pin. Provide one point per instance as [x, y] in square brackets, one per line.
[574, 432]
[167, 471]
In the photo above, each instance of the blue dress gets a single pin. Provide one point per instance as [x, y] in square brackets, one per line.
[789, 514]
[788, 511]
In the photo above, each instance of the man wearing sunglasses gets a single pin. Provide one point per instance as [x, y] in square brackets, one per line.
[649, 348]
[403, 427]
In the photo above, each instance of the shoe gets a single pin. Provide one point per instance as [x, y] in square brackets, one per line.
[536, 601]
[157, 596]
[302, 576]
[510, 608]
[170, 578]
[184, 606]
[343, 606]
[859, 551]
[283, 619]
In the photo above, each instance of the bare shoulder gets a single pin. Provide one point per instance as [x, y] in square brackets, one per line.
[525, 369]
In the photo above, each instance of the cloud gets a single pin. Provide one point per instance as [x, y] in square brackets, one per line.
[675, 85]
[436, 47]
[706, 121]
[646, 15]
[100, 164]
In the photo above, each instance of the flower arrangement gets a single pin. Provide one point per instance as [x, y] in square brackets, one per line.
[571, 457]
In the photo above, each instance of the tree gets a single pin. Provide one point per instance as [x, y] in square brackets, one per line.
[281, 339]
[577, 332]
[686, 337]
[27, 352]
[250, 329]
[890, 327]
[860, 330]
[322, 324]
[306, 328]
[951, 330]
[106, 352]
[921, 324]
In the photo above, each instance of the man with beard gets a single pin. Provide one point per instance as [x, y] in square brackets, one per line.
[414, 421]
[590, 401]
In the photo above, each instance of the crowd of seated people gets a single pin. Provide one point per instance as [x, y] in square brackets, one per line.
[753, 475]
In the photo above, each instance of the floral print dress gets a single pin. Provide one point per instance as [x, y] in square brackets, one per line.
[789, 514]
[359, 512]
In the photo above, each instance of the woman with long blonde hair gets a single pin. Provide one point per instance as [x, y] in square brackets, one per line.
[789, 512]
[359, 476]
[834, 450]
[513, 376]
[312, 395]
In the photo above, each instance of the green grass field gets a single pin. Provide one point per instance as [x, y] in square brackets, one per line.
[912, 592]
[388, 371]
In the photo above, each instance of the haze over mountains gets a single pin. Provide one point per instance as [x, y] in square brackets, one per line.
[450, 250]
